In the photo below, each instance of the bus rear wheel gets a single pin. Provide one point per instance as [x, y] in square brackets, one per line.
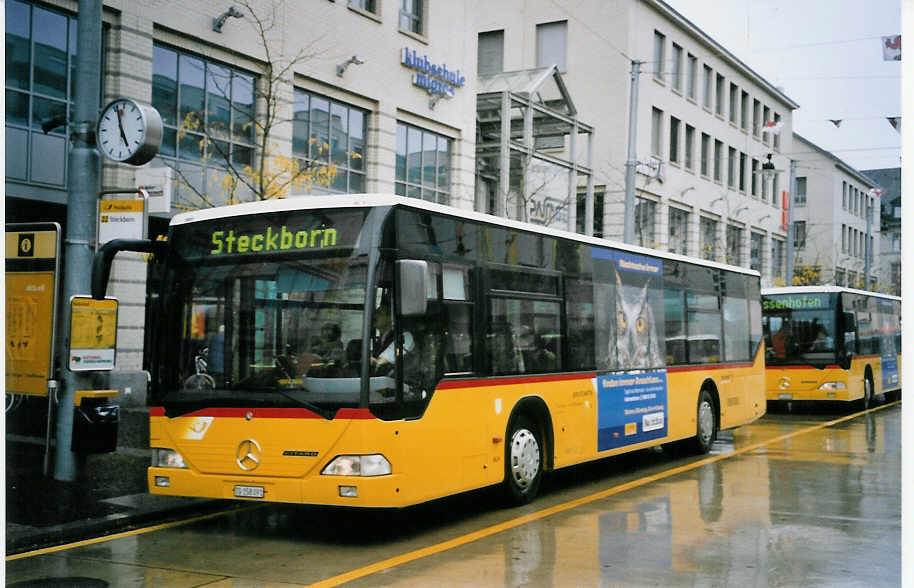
[867, 400]
[706, 427]
[523, 460]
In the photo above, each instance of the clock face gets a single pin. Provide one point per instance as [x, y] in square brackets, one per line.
[129, 132]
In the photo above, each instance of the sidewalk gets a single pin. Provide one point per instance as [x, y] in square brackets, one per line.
[110, 498]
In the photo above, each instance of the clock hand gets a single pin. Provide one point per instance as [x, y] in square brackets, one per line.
[120, 124]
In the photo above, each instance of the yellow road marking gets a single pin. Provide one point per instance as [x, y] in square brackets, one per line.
[123, 534]
[492, 530]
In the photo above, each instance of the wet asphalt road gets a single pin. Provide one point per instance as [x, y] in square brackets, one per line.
[795, 499]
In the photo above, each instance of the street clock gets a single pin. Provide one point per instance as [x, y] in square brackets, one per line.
[129, 132]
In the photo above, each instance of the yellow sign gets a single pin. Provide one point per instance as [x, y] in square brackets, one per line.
[31, 270]
[93, 333]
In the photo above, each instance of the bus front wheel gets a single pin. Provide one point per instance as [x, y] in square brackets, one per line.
[523, 460]
[867, 400]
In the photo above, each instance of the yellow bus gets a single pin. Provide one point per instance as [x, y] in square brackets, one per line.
[831, 343]
[381, 351]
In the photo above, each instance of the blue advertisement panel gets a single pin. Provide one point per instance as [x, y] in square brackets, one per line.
[632, 408]
[889, 370]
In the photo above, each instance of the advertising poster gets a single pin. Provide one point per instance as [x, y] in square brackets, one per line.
[93, 333]
[632, 393]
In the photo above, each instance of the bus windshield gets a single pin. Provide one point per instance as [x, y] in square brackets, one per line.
[799, 333]
[278, 328]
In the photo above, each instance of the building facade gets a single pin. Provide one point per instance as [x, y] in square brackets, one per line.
[830, 219]
[889, 258]
[700, 118]
[381, 94]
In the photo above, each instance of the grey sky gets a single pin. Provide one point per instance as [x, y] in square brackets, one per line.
[827, 57]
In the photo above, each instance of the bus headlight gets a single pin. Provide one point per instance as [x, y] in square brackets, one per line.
[167, 458]
[833, 386]
[357, 465]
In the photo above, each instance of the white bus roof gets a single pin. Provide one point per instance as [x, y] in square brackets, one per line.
[309, 202]
[823, 290]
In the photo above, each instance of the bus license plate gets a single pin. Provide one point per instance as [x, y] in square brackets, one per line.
[249, 491]
[785, 396]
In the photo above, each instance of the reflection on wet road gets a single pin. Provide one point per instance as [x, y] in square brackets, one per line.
[809, 500]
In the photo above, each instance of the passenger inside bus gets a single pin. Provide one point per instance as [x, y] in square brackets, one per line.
[383, 348]
[779, 340]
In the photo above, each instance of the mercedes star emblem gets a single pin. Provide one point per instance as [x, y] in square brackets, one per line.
[248, 455]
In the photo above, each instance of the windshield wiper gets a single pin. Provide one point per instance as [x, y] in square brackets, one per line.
[290, 394]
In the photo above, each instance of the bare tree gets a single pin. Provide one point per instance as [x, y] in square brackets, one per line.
[269, 173]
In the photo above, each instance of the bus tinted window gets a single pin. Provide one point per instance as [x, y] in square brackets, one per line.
[579, 311]
[736, 316]
[674, 313]
[703, 315]
[524, 336]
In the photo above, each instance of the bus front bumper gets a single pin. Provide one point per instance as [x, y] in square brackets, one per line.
[364, 491]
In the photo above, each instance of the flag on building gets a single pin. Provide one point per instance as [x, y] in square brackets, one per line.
[772, 126]
[836, 122]
[895, 121]
[877, 192]
[891, 48]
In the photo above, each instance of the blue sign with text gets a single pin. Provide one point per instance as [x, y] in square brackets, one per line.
[632, 408]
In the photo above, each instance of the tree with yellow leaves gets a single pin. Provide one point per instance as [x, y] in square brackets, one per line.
[267, 171]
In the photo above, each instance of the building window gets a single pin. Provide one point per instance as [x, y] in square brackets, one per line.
[40, 83]
[598, 198]
[753, 181]
[843, 195]
[718, 155]
[676, 71]
[691, 76]
[490, 52]
[656, 131]
[366, 5]
[689, 147]
[705, 154]
[207, 113]
[423, 164]
[756, 244]
[719, 94]
[756, 118]
[799, 234]
[896, 278]
[799, 199]
[839, 276]
[412, 16]
[678, 231]
[843, 238]
[674, 139]
[776, 137]
[734, 102]
[777, 258]
[731, 167]
[659, 55]
[708, 238]
[551, 44]
[645, 211]
[742, 172]
[744, 111]
[896, 242]
[774, 191]
[734, 245]
[765, 118]
[331, 134]
[708, 76]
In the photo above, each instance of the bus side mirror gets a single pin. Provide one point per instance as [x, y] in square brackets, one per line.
[101, 265]
[850, 324]
[412, 288]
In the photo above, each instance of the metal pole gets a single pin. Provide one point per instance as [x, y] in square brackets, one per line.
[866, 245]
[791, 231]
[84, 182]
[632, 162]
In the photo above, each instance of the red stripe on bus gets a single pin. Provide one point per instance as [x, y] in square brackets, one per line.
[713, 366]
[354, 414]
[454, 384]
[801, 367]
[270, 413]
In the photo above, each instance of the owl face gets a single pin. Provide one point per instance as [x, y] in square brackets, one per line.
[635, 339]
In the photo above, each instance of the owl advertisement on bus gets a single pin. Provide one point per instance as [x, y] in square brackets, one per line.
[632, 392]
